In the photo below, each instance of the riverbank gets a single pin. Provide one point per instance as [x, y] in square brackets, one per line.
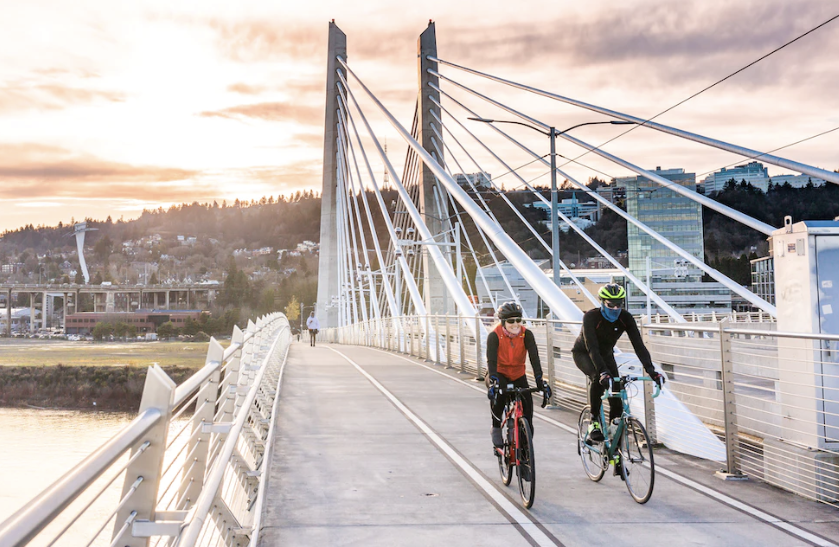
[59, 374]
[113, 388]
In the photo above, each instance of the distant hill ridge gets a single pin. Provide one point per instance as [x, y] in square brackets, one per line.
[280, 223]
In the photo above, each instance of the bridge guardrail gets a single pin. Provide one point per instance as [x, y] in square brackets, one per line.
[771, 398]
[195, 489]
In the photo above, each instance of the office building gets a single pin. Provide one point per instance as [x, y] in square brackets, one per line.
[754, 173]
[679, 219]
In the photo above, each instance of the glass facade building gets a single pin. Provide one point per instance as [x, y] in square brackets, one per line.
[678, 219]
[763, 278]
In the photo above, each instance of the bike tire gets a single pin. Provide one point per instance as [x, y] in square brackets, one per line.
[526, 468]
[505, 463]
[637, 464]
[592, 461]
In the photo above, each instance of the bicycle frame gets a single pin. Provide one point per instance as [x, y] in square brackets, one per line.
[612, 442]
[514, 411]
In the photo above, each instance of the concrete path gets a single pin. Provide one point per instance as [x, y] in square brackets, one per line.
[380, 449]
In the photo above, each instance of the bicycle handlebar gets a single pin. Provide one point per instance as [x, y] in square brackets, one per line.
[628, 380]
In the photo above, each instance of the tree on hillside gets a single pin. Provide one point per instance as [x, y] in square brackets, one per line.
[292, 310]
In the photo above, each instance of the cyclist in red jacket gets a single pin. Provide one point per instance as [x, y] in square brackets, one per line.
[507, 346]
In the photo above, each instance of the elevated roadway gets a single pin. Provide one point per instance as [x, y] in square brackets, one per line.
[375, 448]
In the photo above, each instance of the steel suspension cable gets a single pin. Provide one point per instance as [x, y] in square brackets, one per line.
[495, 260]
[730, 284]
[561, 305]
[489, 212]
[736, 149]
[638, 283]
[351, 221]
[409, 278]
[690, 194]
[344, 114]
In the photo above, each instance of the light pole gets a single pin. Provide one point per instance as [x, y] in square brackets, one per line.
[552, 133]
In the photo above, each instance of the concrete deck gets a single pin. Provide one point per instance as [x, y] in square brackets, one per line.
[353, 465]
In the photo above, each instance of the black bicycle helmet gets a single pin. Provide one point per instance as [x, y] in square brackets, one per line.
[508, 310]
[612, 291]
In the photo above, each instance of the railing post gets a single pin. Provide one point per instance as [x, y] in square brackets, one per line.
[649, 404]
[480, 376]
[437, 341]
[460, 350]
[729, 406]
[411, 349]
[549, 342]
[427, 337]
[448, 342]
[197, 450]
[158, 393]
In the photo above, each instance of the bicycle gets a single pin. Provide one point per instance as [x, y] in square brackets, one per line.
[628, 440]
[517, 450]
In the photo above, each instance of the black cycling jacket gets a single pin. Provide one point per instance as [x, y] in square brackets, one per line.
[599, 336]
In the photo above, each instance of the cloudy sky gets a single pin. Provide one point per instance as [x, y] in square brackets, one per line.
[109, 107]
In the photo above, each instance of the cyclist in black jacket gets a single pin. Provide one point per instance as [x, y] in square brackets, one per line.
[594, 351]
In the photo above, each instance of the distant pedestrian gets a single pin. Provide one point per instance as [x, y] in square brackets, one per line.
[313, 326]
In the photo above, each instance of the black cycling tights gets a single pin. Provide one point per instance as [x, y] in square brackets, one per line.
[595, 390]
[526, 402]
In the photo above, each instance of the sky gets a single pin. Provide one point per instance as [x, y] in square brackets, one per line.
[110, 107]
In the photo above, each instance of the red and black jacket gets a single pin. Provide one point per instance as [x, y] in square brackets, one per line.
[506, 355]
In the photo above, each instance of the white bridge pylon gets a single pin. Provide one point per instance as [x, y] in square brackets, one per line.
[421, 242]
[425, 241]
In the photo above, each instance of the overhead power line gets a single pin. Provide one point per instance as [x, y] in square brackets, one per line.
[700, 92]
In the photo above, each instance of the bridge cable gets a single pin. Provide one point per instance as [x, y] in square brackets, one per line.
[642, 286]
[389, 296]
[524, 221]
[730, 284]
[413, 290]
[553, 296]
[349, 194]
[374, 305]
[690, 194]
[782, 162]
[497, 263]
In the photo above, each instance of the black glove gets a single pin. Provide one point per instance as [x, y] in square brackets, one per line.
[493, 390]
[546, 389]
[604, 379]
[658, 378]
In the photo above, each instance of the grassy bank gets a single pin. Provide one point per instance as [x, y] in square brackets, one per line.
[117, 388]
[75, 375]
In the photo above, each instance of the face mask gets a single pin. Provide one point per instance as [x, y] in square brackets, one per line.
[611, 315]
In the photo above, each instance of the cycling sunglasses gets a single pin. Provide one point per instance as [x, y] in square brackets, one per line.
[613, 304]
[513, 320]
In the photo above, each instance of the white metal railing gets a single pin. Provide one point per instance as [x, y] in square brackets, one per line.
[771, 397]
[187, 479]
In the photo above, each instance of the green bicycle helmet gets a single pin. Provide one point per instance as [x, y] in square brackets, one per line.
[612, 292]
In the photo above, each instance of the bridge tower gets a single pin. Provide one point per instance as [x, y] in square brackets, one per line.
[435, 294]
[329, 284]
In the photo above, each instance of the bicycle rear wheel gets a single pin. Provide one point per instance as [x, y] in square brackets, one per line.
[505, 465]
[637, 465]
[592, 460]
[527, 464]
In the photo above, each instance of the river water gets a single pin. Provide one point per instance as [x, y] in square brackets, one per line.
[37, 447]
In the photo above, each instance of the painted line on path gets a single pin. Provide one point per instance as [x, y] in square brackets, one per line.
[750, 510]
[526, 526]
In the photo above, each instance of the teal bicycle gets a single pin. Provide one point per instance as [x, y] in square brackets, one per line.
[627, 445]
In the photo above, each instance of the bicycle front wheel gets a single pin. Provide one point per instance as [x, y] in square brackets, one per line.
[526, 464]
[590, 456]
[637, 465]
[505, 464]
